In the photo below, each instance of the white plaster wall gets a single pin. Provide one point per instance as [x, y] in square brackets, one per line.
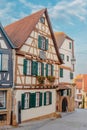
[35, 112]
[66, 76]
[67, 52]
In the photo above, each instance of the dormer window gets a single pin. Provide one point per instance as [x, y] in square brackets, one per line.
[42, 20]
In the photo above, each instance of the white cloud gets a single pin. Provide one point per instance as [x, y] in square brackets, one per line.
[33, 7]
[63, 10]
[5, 10]
[66, 10]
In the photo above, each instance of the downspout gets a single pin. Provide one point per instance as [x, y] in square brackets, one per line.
[13, 88]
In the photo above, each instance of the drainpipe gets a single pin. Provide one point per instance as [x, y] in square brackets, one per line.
[13, 88]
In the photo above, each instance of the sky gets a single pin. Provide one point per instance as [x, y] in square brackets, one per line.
[69, 16]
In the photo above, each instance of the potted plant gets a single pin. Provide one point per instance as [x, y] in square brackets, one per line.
[41, 79]
[51, 78]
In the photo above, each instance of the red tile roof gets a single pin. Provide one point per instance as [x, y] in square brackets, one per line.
[60, 37]
[20, 30]
[81, 82]
[85, 82]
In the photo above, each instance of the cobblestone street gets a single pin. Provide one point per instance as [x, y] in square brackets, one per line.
[69, 121]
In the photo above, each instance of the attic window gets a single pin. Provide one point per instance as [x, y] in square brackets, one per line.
[42, 20]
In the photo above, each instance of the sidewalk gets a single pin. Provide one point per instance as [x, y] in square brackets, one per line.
[38, 123]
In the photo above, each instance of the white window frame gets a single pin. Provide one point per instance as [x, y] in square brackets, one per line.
[37, 99]
[49, 69]
[26, 102]
[43, 43]
[62, 56]
[47, 98]
[3, 99]
[39, 68]
[42, 20]
[28, 67]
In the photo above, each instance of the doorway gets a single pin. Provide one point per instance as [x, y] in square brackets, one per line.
[64, 105]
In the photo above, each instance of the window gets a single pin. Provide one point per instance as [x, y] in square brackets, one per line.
[31, 100]
[70, 45]
[26, 100]
[42, 43]
[2, 99]
[37, 99]
[42, 20]
[0, 35]
[47, 98]
[61, 72]
[49, 70]
[62, 56]
[71, 75]
[4, 62]
[39, 69]
[67, 58]
[27, 67]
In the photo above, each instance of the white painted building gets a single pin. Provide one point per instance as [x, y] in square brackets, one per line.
[66, 50]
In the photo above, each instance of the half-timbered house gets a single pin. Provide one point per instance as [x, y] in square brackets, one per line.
[36, 67]
[6, 77]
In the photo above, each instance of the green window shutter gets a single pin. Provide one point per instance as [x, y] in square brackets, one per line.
[52, 69]
[46, 45]
[32, 102]
[45, 98]
[61, 72]
[23, 101]
[34, 68]
[68, 92]
[40, 100]
[50, 98]
[25, 67]
[39, 41]
[42, 69]
[46, 69]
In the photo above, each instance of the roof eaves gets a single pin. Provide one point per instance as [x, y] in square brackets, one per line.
[52, 33]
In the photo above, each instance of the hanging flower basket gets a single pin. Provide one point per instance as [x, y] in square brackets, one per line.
[41, 79]
[51, 78]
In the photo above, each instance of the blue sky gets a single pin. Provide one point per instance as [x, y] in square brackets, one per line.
[69, 16]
